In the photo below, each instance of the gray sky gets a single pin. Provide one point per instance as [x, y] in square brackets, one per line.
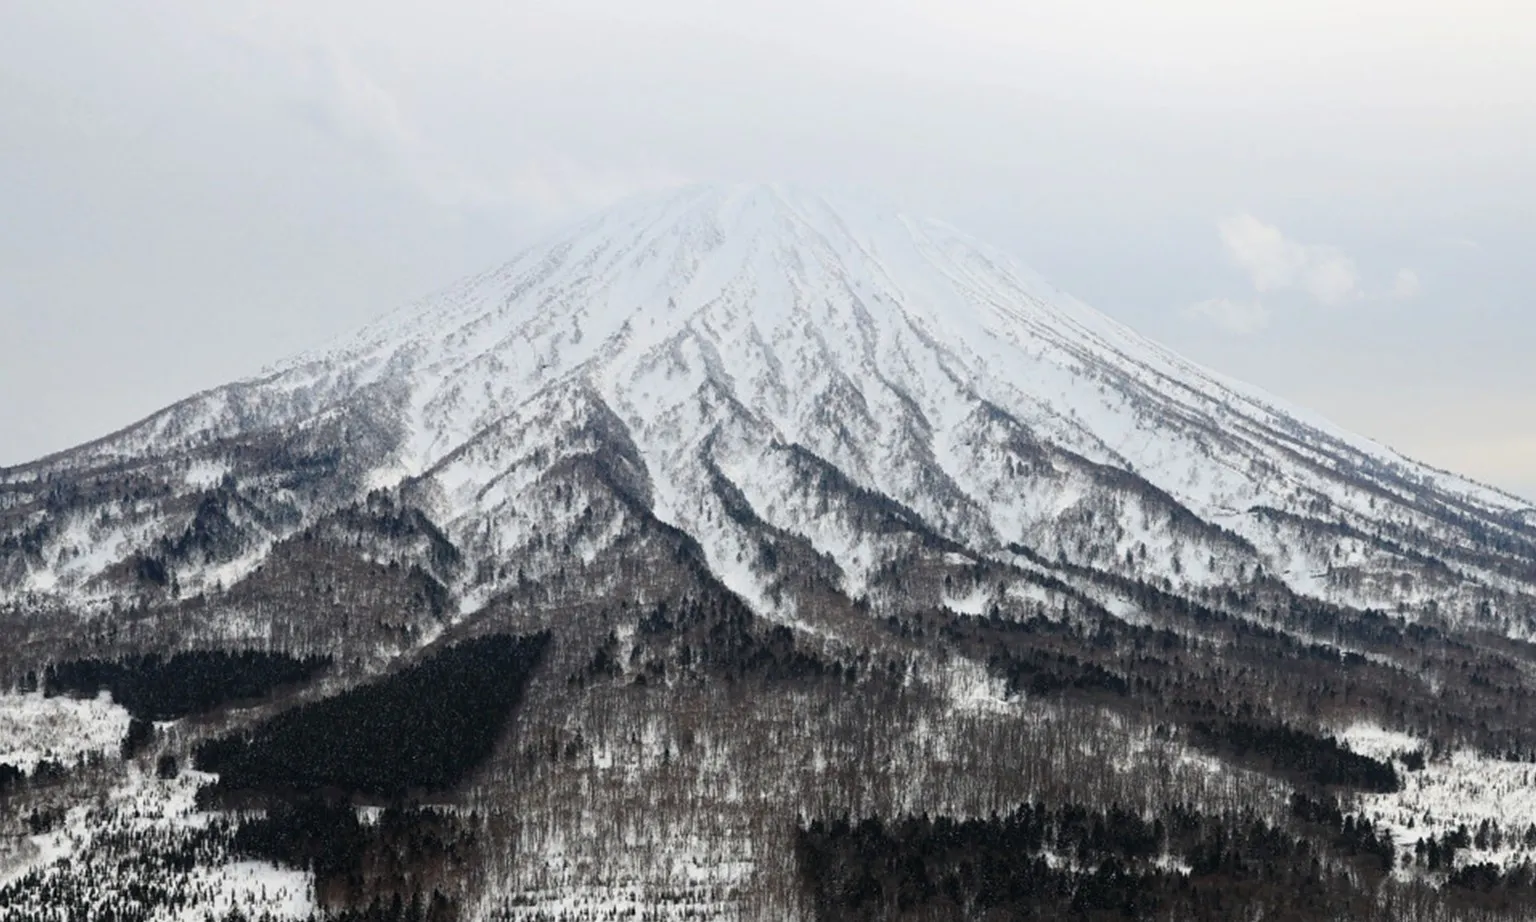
[1333, 199]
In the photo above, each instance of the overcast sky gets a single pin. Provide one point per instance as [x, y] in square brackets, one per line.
[1332, 199]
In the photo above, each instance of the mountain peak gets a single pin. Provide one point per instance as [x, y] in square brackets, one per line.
[727, 339]
[802, 508]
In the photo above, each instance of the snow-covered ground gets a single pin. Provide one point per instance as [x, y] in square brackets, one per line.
[102, 855]
[36, 728]
[1464, 790]
[253, 887]
[1368, 739]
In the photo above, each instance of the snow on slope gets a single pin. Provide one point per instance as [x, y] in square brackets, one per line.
[100, 852]
[778, 295]
[36, 728]
[1465, 790]
[724, 324]
[872, 339]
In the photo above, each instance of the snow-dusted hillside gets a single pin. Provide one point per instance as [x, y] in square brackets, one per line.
[739, 341]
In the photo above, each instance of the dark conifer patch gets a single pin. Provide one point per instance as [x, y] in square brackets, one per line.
[1074, 862]
[315, 834]
[422, 728]
[140, 732]
[1320, 760]
[375, 870]
[1038, 672]
[191, 682]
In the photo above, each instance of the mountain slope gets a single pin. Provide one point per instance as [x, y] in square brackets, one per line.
[850, 550]
[726, 330]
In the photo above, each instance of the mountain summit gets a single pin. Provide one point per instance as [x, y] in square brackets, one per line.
[727, 347]
[741, 553]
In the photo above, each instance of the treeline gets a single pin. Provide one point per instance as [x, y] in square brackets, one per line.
[1348, 835]
[1070, 861]
[420, 729]
[157, 688]
[1248, 641]
[1166, 678]
[390, 868]
[13, 778]
[1042, 672]
[707, 636]
[122, 874]
[1286, 751]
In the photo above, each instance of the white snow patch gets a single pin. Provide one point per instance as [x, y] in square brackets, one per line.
[254, 887]
[1465, 790]
[35, 727]
[1370, 740]
[974, 603]
[971, 688]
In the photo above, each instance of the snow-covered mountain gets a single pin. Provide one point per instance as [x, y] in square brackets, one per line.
[741, 553]
[760, 367]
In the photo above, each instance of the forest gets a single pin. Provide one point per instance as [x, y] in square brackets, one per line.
[420, 729]
[388, 868]
[1076, 862]
[155, 687]
[616, 738]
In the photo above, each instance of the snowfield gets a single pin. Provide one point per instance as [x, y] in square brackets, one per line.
[36, 728]
[99, 846]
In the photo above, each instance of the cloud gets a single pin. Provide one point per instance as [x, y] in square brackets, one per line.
[1239, 317]
[1275, 262]
[329, 87]
[1406, 285]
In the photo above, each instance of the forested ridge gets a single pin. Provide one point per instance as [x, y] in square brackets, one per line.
[375, 789]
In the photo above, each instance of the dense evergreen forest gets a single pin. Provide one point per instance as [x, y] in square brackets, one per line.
[165, 688]
[1076, 862]
[1296, 754]
[420, 729]
[386, 868]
